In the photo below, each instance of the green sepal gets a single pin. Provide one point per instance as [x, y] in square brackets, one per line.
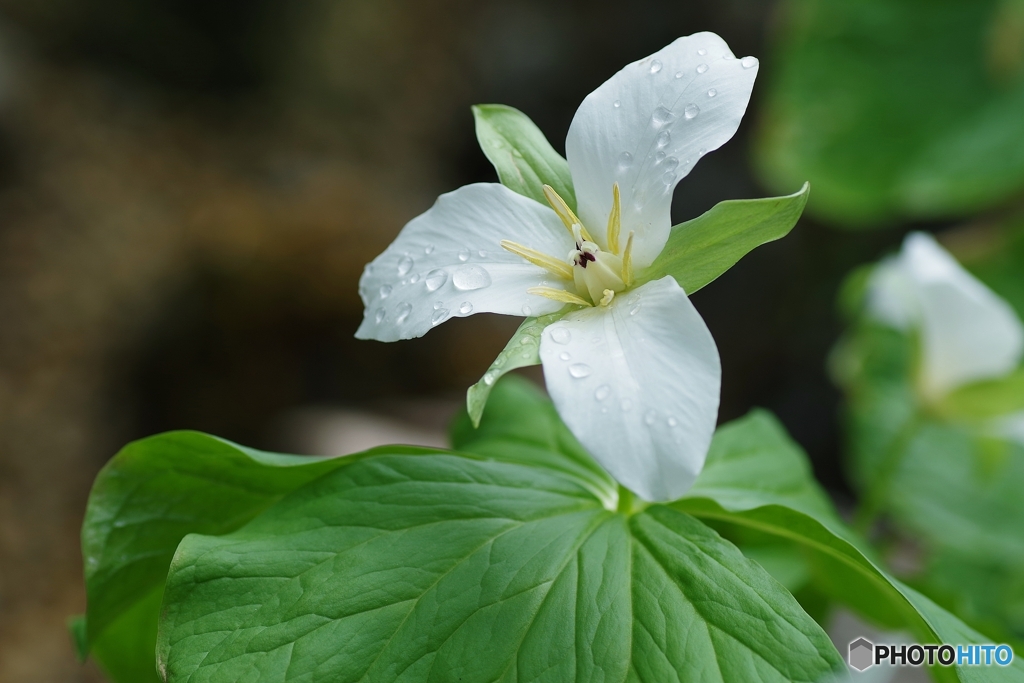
[522, 350]
[700, 250]
[522, 156]
[986, 399]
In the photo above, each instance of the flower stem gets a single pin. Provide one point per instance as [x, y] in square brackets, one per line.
[874, 499]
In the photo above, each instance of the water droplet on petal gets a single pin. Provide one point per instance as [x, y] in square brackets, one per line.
[429, 249]
[691, 111]
[702, 68]
[435, 279]
[626, 405]
[527, 341]
[679, 74]
[602, 392]
[671, 163]
[616, 104]
[414, 278]
[380, 315]
[564, 355]
[702, 52]
[635, 308]
[560, 335]
[464, 255]
[660, 156]
[712, 92]
[527, 311]
[439, 316]
[385, 290]
[668, 178]
[579, 370]
[403, 312]
[404, 265]
[672, 422]
[482, 253]
[655, 66]
[625, 160]
[663, 138]
[650, 417]
[748, 62]
[466, 308]
[438, 305]
[468, 278]
[488, 378]
[662, 117]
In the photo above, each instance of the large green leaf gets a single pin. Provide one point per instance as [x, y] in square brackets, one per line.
[897, 108]
[791, 511]
[522, 156]
[448, 568]
[146, 499]
[700, 250]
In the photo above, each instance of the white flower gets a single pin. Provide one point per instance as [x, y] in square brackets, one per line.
[967, 332]
[634, 372]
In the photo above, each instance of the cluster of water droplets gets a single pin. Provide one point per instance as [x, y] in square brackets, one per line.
[522, 349]
[467, 277]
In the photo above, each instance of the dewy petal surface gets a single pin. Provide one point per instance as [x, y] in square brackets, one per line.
[647, 126]
[638, 383]
[968, 333]
[448, 262]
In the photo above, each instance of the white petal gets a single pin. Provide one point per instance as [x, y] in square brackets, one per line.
[967, 332]
[638, 383]
[692, 94]
[448, 262]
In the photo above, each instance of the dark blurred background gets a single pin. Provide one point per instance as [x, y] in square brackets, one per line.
[189, 191]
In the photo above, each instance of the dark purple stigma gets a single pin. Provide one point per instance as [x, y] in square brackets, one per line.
[584, 257]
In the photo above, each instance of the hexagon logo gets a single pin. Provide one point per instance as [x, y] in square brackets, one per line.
[861, 654]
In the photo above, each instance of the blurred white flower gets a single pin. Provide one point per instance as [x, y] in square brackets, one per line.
[967, 332]
[634, 372]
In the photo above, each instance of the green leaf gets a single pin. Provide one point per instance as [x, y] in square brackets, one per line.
[521, 425]
[146, 499]
[986, 399]
[896, 109]
[700, 250]
[842, 569]
[522, 156]
[522, 350]
[446, 568]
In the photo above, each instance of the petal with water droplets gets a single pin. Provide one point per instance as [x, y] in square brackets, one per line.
[619, 134]
[638, 386]
[435, 263]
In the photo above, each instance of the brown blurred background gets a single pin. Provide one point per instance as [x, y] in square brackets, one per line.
[188, 193]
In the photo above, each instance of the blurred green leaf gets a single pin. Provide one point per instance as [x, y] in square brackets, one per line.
[700, 250]
[449, 568]
[986, 399]
[897, 109]
[522, 156]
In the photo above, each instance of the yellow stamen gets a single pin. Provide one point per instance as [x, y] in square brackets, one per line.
[553, 265]
[614, 221]
[627, 261]
[564, 212]
[607, 298]
[558, 295]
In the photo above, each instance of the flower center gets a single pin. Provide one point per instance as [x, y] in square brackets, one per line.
[596, 275]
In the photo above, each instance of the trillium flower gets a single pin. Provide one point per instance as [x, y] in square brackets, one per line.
[967, 333]
[631, 367]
